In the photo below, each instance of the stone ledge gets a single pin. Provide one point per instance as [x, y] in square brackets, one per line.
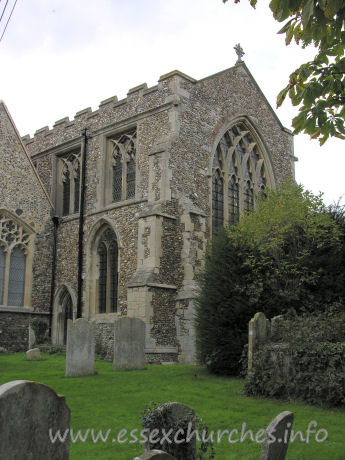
[17, 309]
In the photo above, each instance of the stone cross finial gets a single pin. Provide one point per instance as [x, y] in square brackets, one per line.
[239, 52]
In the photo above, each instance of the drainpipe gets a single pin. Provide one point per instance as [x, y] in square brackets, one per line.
[56, 221]
[81, 221]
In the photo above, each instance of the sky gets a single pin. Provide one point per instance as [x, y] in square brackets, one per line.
[58, 57]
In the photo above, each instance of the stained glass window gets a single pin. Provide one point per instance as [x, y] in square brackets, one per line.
[217, 201]
[234, 204]
[239, 169]
[102, 281]
[108, 272]
[16, 277]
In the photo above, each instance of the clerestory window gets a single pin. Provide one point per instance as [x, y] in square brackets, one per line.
[69, 183]
[238, 173]
[122, 148]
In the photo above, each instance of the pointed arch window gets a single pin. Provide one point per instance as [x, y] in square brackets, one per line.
[239, 173]
[123, 164]
[69, 166]
[15, 265]
[107, 250]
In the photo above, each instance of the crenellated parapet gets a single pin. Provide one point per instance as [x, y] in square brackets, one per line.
[140, 100]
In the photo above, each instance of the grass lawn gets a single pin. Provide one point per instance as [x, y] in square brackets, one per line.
[115, 399]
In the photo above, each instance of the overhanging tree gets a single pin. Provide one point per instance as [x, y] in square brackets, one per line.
[318, 86]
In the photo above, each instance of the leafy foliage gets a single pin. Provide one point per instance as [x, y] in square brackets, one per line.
[288, 254]
[300, 252]
[226, 302]
[154, 419]
[315, 355]
[317, 86]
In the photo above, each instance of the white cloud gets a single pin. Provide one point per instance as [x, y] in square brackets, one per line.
[61, 56]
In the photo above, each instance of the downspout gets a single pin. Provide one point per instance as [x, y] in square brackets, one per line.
[56, 221]
[81, 222]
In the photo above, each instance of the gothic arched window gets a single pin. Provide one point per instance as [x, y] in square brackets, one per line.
[14, 264]
[123, 161]
[238, 174]
[107, 251]
[70, 182]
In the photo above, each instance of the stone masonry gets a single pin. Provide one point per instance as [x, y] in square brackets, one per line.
[163, 225]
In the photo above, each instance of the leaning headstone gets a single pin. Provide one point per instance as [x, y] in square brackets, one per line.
[129, 343]
[80, 352]
[172, 416]
[30, 416]
[259, 331]
[33, 355]
[280, 428]
[155, 455]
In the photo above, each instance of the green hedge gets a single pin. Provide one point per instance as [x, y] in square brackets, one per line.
[317, 375]
[315, 372]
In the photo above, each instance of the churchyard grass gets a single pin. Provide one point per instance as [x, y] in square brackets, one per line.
[115, 399]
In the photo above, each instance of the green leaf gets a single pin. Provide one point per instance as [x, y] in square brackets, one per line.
[281, 96]
[286, 26]
[307, 12]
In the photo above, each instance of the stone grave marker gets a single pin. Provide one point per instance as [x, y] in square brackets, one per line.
[28, 410]
[280, 428]
[172, 416]
[129, 343]
[259, 331]
[80, 350]
[33, 355]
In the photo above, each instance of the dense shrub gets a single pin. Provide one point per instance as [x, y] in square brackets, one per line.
[315, 354]
[287, 255]
[226, 302]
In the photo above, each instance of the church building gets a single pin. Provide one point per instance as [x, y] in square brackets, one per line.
[110, 214]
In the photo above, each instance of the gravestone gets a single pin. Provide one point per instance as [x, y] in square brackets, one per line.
[172, 416]
[80, 351]
[129, 343]
[28, 410]
[259, 331]
[33, 355]
[280, 428]
[155, 455]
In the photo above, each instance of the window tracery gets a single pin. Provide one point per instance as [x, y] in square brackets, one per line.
[14, 249]
[123, 162]
[238, 173]
[70, 179]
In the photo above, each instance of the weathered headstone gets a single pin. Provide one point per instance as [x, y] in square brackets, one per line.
[176, 417]
[154, 455]
[33, 355]
[259, 331]
[28, 410]
[280, 428]
[80, 351]
[129, 343]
